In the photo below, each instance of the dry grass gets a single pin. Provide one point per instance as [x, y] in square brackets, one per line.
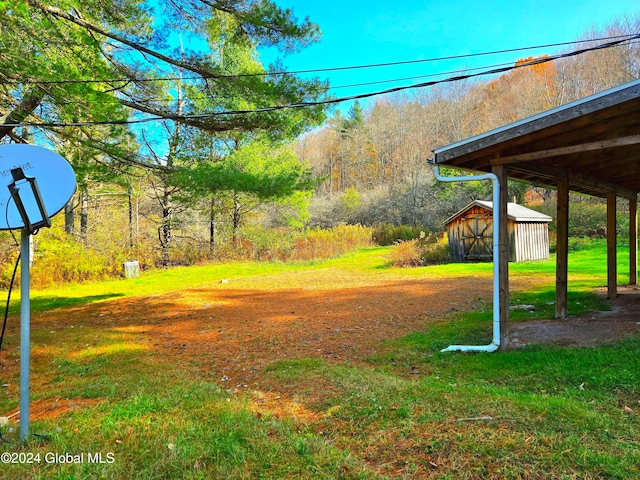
[321, 371]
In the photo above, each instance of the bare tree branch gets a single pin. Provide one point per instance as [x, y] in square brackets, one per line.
[56, 12]
[29, 103]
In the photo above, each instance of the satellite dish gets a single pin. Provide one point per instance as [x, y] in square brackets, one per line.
[54, 177]
[35, 184]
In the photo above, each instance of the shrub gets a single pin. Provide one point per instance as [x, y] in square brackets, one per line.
[436, 250]
[425, 250]
[405, 254]
[588, 216]
[59, 259]
[387, 234]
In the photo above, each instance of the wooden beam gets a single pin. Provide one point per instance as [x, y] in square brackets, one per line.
[562, 248]
[572, 149]
[633, 241]
[612, 261]
[577, 181]
[503, 256]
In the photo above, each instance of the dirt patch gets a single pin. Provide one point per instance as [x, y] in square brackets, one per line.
[232, 333]
[48, 408]
[236, 333]
[622, 321]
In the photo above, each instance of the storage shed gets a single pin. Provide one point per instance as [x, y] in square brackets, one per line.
[471, 233]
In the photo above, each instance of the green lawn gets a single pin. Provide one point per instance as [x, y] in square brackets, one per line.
[406, 411]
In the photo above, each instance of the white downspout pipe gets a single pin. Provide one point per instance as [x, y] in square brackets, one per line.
[495, 344]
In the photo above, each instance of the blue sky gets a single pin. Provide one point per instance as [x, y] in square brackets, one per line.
[358, 32]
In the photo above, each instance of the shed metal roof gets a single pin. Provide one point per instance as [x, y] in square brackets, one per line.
[593, 143]
[515, 212]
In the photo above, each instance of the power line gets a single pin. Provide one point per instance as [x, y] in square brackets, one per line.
[336, 87]
[214, 76]
[429, 75]
[458, 57]
[363, 84]
[451, 72]
[494, 71]
[274, 108]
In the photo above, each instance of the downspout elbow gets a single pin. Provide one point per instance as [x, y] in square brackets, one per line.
[492, 347]
[495, 344]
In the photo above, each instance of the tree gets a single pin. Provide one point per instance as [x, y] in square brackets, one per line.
[518, 94]
[95, 62]
[102, 66]
[250, 175]
[356, 116]
[595, 71]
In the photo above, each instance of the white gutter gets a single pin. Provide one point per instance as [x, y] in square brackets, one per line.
[495, 344]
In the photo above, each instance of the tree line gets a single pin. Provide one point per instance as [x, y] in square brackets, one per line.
[143, 99]
[381, 151]
[164, 111]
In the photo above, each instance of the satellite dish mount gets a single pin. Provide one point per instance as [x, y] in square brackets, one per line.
[20, 180]
[27, 208]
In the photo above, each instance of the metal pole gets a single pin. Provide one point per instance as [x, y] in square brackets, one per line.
[25, 321]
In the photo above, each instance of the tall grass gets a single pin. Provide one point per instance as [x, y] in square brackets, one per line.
[59, 259]
[386, 234]
[303, 245]
[425, 250]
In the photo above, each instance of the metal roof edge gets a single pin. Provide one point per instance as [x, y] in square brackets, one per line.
[540, 218]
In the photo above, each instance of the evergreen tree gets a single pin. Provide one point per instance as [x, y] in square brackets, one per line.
[103, 65]
[93, 62]
[356, 116]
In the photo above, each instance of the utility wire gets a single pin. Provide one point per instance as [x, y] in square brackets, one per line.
[315, 70]
[353, 85]
[6, 309]
[455, 57]
[13, 277]
[430, 75]
[333, 87]
[329, 101]
[416, 77]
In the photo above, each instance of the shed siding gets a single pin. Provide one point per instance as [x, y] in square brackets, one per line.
[531, 241]
[471, 235]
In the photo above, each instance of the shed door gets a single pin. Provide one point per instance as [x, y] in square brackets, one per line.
[477, 238]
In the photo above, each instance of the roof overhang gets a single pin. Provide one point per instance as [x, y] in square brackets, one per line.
[515, 212]
[593, 143]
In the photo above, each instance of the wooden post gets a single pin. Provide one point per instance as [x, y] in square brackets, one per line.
[503, 250]
[562, 248]
[612, 261]
[633, 241]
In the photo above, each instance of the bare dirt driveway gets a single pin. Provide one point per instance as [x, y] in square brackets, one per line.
[234, 330]
[621, 321]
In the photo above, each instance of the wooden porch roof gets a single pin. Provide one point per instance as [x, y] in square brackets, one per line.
[594, 143]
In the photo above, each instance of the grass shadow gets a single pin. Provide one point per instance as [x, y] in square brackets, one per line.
[543, 303]
[40, 304]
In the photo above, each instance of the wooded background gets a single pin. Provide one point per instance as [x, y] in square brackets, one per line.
[180, 155]
[381, 151]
